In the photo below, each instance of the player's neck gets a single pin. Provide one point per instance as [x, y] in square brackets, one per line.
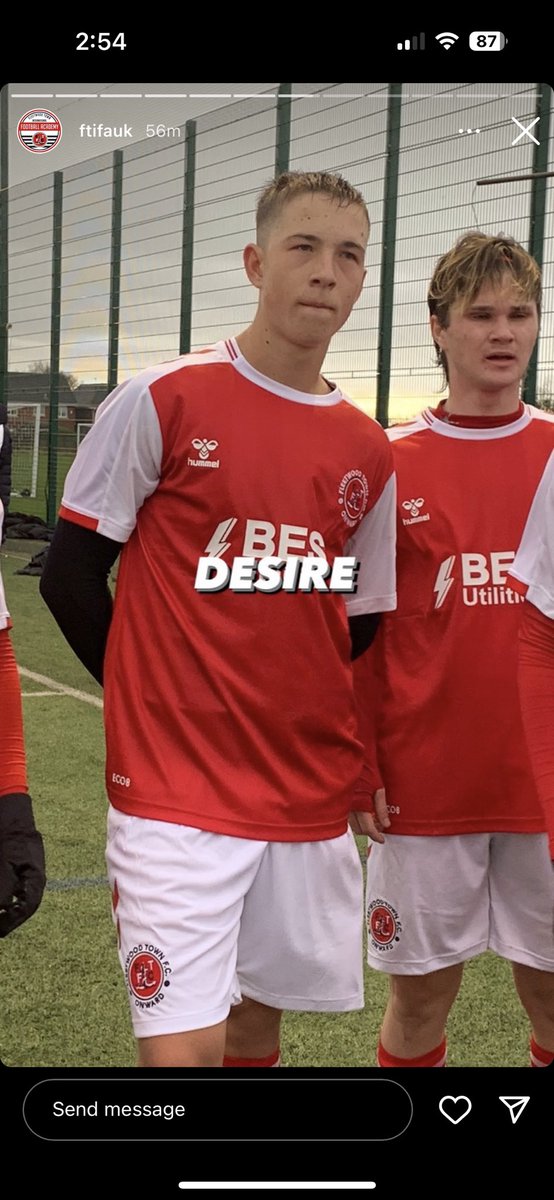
[473, 402]
[296, 367]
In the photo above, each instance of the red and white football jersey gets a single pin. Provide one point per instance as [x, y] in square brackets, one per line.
[445, 709]
[5, 622]
[233, 712]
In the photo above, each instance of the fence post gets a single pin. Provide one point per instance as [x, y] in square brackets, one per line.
[537, 216]
[55, 350]
[188, 238]
[115, 269]
[386, 291]
[282, 130]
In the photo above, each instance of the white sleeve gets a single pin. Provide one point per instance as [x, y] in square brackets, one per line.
[117, 465]
[374, 545]
[534, 562]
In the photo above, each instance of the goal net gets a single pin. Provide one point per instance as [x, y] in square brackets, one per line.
[24, 426]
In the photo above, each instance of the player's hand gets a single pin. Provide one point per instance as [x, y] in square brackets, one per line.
[372, 824]
[22, 868]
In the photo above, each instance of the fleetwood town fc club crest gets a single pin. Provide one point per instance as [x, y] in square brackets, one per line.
[147, 972]
[39, 130]
[353, 494]
[383, 925]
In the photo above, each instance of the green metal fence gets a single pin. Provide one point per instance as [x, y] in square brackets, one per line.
[135, 256]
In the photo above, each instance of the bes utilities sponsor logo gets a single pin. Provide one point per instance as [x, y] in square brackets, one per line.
[482, 578]
[204, 446]
[147, 971]
[289, 558]
[413, 508]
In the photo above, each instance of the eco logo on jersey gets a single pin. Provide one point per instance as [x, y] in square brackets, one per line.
[204, 447]
[146, 972]
[353, 495]
[383, 925]
[413, 507]
[39, 131]
[482, 578]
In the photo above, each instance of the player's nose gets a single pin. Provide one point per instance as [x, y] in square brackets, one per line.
[324, 269]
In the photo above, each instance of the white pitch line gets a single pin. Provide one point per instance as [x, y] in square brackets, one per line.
[27, 694]
[60, 687]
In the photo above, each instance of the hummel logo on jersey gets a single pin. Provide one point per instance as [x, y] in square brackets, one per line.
[204, 448]
[482, 576]
[413, 507]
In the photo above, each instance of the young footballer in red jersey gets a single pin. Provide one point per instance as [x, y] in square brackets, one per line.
[532, 576]
[460, 860]
[232, 744]
[22, 871]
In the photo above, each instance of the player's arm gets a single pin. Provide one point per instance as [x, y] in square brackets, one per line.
[374, 545]
[74, 585]
[116, 468]
[536, 685]
[362, 632]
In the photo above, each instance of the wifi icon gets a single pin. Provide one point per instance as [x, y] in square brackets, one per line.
[447, 39]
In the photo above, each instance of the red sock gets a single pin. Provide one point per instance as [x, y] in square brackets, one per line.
[272, 1060]
[435, 1058]
[539, 1057]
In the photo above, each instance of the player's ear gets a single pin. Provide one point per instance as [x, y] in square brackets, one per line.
[253, 263]
[361, 285]
[436, 328]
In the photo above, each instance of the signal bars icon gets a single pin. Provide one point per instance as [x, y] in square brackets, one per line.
[413, 43]
[447, 39]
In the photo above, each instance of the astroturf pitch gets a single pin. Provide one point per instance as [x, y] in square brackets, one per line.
[64, 1001]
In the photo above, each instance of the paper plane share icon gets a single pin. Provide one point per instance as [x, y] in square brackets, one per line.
[515, 1105]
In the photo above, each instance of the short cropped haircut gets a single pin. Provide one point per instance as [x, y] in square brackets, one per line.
[290, 184]
[475, 260]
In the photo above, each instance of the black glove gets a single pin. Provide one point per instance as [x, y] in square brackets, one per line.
[22, 868]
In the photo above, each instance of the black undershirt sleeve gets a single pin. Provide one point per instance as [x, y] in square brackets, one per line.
[362, 632]
[74, 585]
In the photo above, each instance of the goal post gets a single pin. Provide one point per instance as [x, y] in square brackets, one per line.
[82, 430]
[24, 426]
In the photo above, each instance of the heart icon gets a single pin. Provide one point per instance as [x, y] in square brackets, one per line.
[453, 1103]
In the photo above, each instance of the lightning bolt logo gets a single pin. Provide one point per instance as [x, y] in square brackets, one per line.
[444, 580]
[217, 544]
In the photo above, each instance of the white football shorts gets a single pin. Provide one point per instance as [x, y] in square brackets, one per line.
[436, 901]
[204, 919]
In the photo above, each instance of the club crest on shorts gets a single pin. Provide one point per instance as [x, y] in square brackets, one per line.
[146, 972]
[383, 925]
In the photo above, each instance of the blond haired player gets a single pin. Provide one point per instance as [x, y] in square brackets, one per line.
[232, 745]
[460, 860]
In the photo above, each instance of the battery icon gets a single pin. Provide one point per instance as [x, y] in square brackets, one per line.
[483, 39]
